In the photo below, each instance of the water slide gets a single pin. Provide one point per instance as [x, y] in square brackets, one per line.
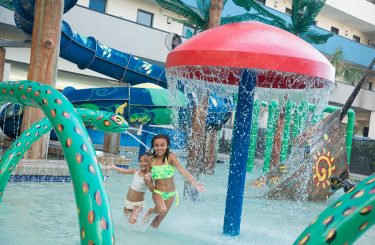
[137, 105]
[88, 53]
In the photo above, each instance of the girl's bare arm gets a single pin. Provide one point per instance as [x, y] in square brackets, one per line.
[123, 170]
[186, 174]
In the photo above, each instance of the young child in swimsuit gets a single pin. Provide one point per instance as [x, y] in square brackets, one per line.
[135, 198]
[161, 167]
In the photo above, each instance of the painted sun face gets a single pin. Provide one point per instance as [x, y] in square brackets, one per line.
[323, 168]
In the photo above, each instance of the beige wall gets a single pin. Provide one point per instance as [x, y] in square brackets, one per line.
[128, 9]
[364, 11]
[279, 5]
[344, 30]
[360, 9]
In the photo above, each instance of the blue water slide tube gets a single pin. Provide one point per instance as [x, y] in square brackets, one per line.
[88, 53]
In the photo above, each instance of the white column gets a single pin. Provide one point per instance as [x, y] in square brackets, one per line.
[6, 71]
[371, 131]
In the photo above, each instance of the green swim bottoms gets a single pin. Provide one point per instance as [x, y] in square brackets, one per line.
[166, 195]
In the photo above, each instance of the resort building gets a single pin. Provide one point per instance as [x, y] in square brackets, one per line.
[144, 29]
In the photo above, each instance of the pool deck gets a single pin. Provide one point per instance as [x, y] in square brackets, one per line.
[55, 169]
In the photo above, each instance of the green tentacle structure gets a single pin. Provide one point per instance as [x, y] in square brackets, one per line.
[346, 219]
[94, 214]
[101, 120]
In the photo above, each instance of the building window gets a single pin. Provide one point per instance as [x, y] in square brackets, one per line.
[288, 11]
[335, 30]
[261, 1]
[356, 38]
[98, 5]
[188, 31]
[145, 18]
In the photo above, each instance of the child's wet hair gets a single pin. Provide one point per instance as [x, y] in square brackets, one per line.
[146, 154]
[160, 136]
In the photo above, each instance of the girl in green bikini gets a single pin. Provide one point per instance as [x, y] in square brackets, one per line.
[161, 167]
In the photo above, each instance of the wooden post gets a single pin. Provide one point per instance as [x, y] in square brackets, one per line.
[216, 7]
[277, 139]
[2, 63]
[112, 143]
[197, 140]
[210, 157]
[196, 144]
[45, 48]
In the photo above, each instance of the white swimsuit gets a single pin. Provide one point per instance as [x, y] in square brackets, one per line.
[138, 183]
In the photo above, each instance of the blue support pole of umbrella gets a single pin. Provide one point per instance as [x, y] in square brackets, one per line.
[240, 145]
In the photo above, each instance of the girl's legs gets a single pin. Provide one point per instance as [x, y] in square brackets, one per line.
[134, 214]
[161, 208]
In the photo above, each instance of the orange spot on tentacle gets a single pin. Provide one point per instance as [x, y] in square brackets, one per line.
[91, 216]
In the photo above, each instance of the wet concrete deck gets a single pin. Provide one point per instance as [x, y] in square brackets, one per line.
[55, 168]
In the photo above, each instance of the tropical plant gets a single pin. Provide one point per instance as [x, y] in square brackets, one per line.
[303, 17]
[344, 71]
[9, 4]
[199, 17]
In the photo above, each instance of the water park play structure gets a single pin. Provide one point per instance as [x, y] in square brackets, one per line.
[292, 70]
[287, 70]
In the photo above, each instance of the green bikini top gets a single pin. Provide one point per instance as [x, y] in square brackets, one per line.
[164, 171]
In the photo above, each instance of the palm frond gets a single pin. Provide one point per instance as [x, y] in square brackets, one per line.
[314, 37]
[179, 8]
[9, 4]
[345, 71]
[203, 7]
[199, 25]
[304, 13]
[252, 4]
[249, 17]
[247, 5]
[352, 75]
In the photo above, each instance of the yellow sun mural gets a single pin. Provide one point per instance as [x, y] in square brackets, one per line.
[323, 168]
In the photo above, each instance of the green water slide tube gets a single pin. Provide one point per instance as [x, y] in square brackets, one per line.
[273, 115]
[100, 120]
[349, 128]
[345, 220]
[93, 209]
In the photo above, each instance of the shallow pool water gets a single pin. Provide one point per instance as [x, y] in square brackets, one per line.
[44, 213]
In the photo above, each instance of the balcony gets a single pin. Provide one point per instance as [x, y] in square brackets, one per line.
[364, 100]
[358, 14]
[354, 52]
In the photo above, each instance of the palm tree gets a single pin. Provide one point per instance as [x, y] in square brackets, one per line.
[345, 72]
[201, 18]
[303, 17]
